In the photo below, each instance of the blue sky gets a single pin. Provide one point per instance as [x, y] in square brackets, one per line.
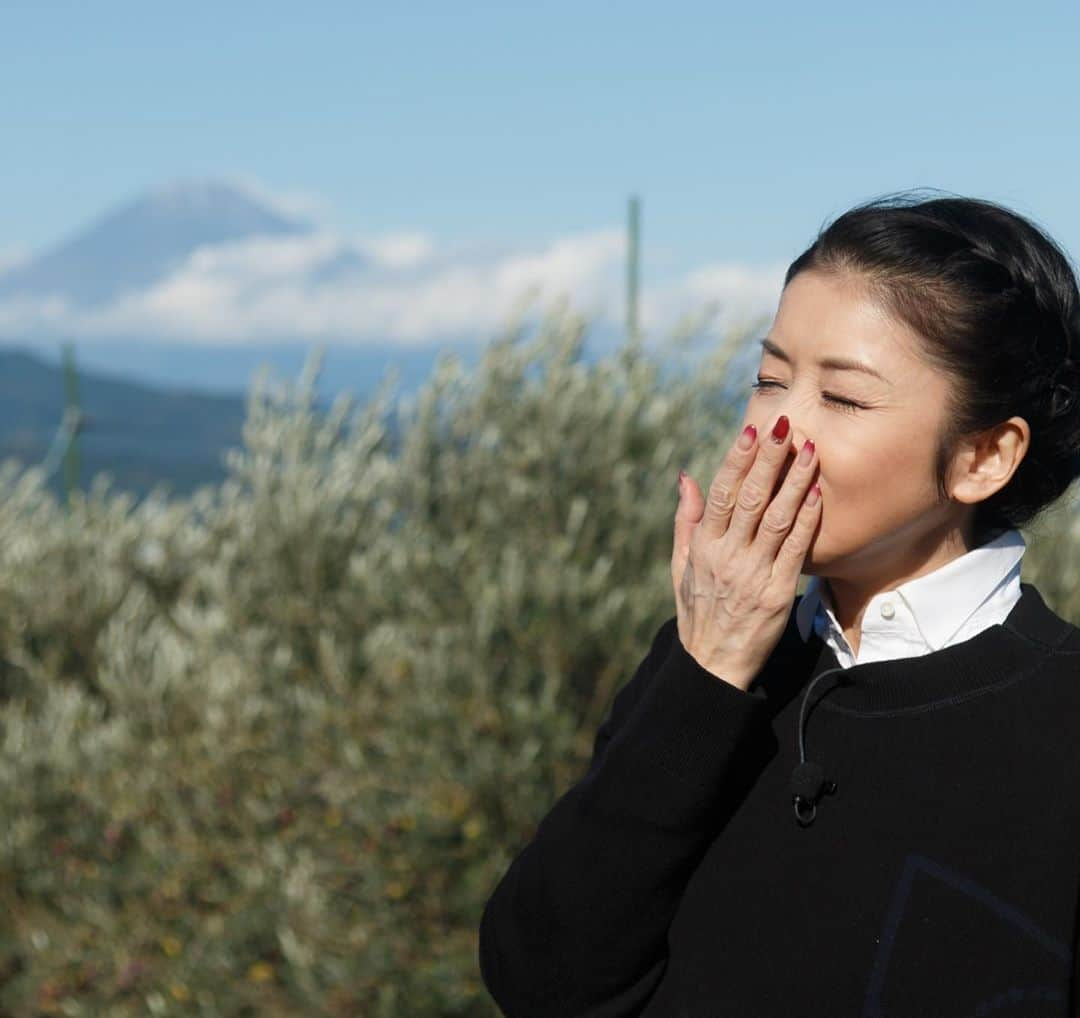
[485, 125]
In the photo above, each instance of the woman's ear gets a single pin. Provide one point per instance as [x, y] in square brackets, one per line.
[984, 464]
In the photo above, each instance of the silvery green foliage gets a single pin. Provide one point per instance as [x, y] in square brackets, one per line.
[1052, 559]
[267, 750]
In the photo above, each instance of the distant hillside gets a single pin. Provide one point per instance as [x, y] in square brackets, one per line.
[230, 370]
[140, 434]
[176, 434]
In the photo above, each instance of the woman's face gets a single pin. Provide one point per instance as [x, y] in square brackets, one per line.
[876, 437]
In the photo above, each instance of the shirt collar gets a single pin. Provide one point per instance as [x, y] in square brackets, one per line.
[941, 601]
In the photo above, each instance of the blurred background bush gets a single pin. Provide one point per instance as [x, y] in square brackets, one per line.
[268, 749]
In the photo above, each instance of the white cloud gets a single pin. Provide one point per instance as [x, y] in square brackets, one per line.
[265, 258]
[394, 288]
[399, 250]
[736, 284]
[735, 292]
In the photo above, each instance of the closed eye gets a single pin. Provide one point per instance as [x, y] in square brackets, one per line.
[845, 405]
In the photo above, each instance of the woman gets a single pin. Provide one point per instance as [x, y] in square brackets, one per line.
[864, 800]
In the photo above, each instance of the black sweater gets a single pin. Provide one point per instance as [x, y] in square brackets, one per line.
[939, 876]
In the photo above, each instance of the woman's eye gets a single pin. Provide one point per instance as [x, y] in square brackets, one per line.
[841, 404]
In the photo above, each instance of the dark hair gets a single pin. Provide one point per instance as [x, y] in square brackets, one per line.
[996, 304]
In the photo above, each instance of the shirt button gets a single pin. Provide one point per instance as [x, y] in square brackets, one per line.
[887, 610]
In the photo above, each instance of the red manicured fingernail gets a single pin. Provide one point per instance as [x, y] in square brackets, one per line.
[780, 428]
[746, 439]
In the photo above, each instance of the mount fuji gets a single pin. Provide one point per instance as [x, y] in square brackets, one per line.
[136, 248]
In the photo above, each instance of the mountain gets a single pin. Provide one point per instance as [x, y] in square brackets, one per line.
[139, 243]
[139, 434]
[199, 283]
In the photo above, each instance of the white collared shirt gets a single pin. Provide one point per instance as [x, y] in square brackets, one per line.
[949, 605]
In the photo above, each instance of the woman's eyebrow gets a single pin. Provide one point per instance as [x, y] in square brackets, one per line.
[837, 363]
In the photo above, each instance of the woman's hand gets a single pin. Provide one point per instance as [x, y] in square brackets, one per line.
[738, 556]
